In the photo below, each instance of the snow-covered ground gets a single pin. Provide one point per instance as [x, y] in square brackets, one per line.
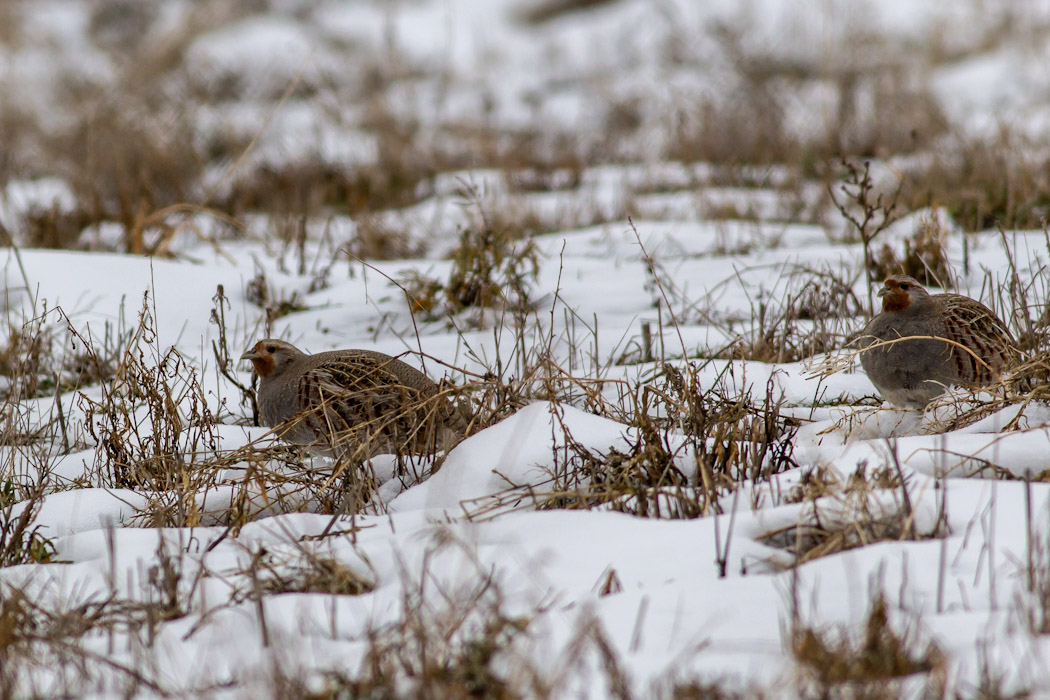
[476, 558]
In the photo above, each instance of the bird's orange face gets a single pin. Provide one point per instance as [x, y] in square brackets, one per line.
[271, 355]
[263, 357]
[894, 296]
[898, 292]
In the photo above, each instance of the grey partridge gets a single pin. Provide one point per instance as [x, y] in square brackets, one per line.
[355, 403]
[915, 371]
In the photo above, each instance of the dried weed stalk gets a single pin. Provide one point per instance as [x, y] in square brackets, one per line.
[813, 316]
[869, 213]
[151, 422]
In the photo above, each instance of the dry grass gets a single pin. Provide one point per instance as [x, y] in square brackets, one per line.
[840, 517]
[313, 186]
[691, 447]
[924, 257]
[35, 635]
[54, 227]
[494, 267]
[844, 664]
[456, 651]
[123, 165]
[1033, 602]
[46, 636]
[649, 478]
[707, 690]
[144, 440]
[138, 161]
[309, 573]
[273, 302]
[983, 183]
[22, 540]
[376, 239]
[882, 108]
[686, 451]
[40, 360]
[807, 312]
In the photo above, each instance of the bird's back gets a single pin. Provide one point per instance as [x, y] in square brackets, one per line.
[374, 403]
[368, 368]
[974, 326]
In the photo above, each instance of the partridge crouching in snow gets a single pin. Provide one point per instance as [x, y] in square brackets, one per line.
[915, 371]
[352, 403]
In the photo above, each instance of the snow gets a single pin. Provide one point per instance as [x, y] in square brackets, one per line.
[506, 455]
[274, 50]
[84, 510]
[672, 601]
[624, 245]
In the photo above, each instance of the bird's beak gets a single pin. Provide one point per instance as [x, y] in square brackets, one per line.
[881, 293]
[250, 354]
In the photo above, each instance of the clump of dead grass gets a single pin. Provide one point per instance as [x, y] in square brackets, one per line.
[55, 227]
[838, 662]
[711, 690]
[736, 436]
[494, 266]
[648, 478]
[145, 440]
[983, 182]
[46, 645]
[491, 268]
[275, 303]
[923, 258]
[814, 313]
[310, 572]
[870, 507]
[457, 649]
[39, 359]
[310, 187]
[34, 635]
[26, 363]
[686, 449]
[882, 107]
[375, 238]
[22, 540]
[124, 165]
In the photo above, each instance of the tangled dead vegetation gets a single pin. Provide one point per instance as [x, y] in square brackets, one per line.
[686, 450]
[868, 508]
[494, 267]
[867, 664]
[143, 160]
[924, 257]
[813, 314]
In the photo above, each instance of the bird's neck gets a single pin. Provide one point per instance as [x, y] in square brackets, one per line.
[265, 367]
[905, 307]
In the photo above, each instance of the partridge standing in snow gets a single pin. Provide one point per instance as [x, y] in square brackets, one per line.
[355, 403]
[913, 372]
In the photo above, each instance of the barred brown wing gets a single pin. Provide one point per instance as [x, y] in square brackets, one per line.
[973, 325]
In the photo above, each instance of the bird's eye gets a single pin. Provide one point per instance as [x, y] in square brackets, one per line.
[271, 349]
[904, 286]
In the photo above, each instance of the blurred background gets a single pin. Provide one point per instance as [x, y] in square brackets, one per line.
[114, 111]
